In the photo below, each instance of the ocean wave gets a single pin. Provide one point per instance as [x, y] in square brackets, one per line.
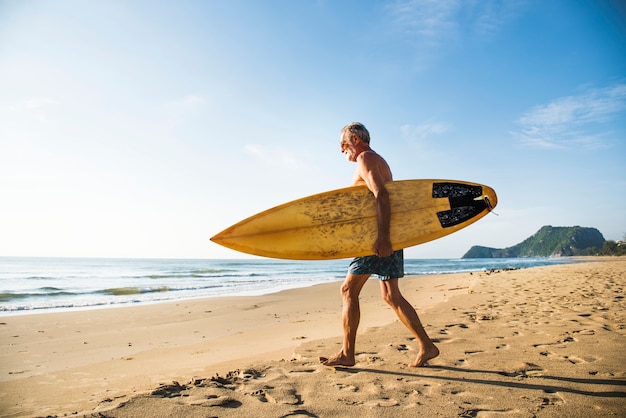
[10, 296]
[124, 291]
[6, 297]
[131, 290]
[202, 274]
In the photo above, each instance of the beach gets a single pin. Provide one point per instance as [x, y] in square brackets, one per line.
[544, 341]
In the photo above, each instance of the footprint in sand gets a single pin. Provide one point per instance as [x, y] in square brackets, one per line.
[300, 413]
[304, 370]
[473, 413]
[585, 332]
[285, 394]
[375, 360]
[557, 343]
[452, 391]
[420, 387]
[579, 360]
[449, 329]
[461, 325]
[169, 391]
[472, 352]
[523, 370]
[223, 401]
[382, 403]
[550, 400]
[275, 390]
[349, 388]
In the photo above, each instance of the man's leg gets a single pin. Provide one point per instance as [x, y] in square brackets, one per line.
[406, 313]
[351, 316]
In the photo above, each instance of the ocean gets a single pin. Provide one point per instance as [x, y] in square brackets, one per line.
[31, 285]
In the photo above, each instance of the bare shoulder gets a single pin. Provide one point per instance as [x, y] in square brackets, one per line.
[371, 160]
[371, 157]
[372, 163]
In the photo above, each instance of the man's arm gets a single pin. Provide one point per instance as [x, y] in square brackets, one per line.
[369, 170]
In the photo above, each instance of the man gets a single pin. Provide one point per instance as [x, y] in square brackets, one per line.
[372, 170]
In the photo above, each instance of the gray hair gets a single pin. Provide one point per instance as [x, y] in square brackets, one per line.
[359, 129]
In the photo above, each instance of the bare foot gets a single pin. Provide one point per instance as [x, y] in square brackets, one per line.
[424, 356]
[337, 360]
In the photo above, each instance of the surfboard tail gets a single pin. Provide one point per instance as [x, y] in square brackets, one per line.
[466, 201]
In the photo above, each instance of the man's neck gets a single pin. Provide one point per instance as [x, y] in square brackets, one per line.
[364, 149]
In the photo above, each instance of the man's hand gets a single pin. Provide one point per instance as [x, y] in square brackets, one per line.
[382, 247]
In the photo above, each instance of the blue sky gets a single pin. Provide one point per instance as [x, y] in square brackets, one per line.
[142, 128]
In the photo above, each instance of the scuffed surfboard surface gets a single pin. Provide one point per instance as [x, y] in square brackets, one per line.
[342, 223]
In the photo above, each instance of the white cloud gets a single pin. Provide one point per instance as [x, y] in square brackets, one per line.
[188, 100]
[431, 21]
[254, 150]
[490, 16]
[425, 18]
[431, 25]
[180, 112]
[38, 108]
[572, 120]
[417, 133]
[273, 156]
[33, 103]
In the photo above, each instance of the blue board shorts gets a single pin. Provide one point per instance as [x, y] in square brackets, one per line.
[386, 268]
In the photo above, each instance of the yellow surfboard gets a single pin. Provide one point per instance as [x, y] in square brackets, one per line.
[342, 223]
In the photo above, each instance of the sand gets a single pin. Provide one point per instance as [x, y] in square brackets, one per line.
[540, 342]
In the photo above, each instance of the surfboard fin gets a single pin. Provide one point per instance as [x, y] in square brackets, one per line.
[489, 205]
